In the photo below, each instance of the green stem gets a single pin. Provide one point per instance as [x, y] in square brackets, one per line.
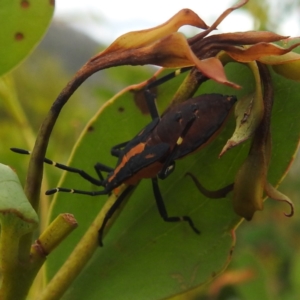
[57, 231]
[17, 276]
[81, 254]
[8, 261]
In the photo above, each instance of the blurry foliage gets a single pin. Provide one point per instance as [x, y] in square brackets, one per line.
[274, 244]
[270, 14]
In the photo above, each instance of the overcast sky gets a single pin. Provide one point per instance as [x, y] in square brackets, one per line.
[106, 20]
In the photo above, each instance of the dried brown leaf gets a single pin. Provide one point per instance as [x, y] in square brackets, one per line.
[249, 186]
[256, 52]
[174, 51]
[274, 194]
[245, 38]
[141, 38]
[218, 21]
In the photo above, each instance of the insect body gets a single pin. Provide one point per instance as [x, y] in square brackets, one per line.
[183, 129]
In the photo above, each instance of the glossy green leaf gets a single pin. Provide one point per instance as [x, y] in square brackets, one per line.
[14, 202]
[17, 218]
[23, 23]
[144, 257]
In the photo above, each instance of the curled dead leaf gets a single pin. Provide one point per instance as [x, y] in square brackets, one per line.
[217, 194]
[249, 186]
[256, 52]
[174, 51]
[245, 38]
[274, 194]
[141, 38]
[218, 21]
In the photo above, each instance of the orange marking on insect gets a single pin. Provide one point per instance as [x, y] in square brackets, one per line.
[134, 151]
[147, 172]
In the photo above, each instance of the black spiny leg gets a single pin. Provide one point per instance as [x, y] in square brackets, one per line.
[116, 150]
[151, 103]
[150, 97]
[112, 210]
[100, 167]
[162, 209]
[74, 191]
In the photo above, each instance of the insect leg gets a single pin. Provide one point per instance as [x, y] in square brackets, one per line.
[101, 167]
[151, 103]
[73, 191]
[116, 150]
[167, 77]
[151, 98]
[98, 168]
[162, 209]
[112, 210]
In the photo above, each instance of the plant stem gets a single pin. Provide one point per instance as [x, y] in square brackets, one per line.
[81, 254]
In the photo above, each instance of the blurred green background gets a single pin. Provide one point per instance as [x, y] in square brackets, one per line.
[266, 261]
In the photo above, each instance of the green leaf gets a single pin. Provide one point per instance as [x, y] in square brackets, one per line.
[23, 23]
[14, 202]
[17, 218]
[144, 257]
[249, 113]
